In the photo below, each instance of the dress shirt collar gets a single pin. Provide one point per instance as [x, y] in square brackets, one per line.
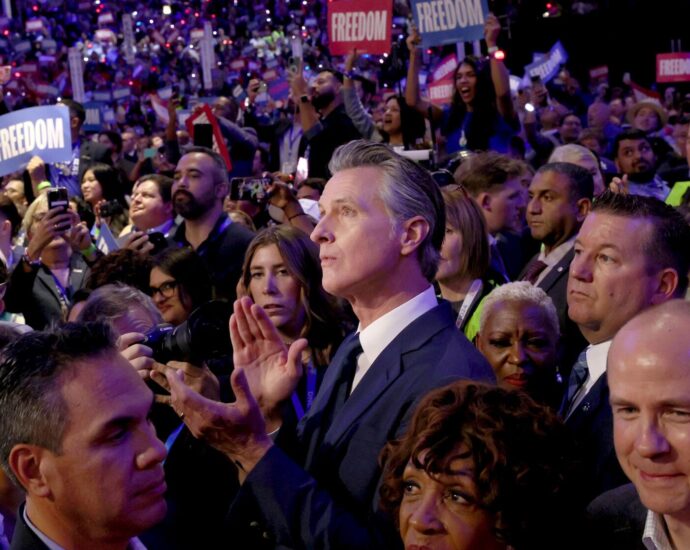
[655, 536]
[376, 337]
[558, 253]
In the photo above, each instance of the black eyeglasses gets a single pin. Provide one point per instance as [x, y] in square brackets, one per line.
[167, 289]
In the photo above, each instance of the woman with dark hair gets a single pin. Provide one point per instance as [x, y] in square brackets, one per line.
[481, 115]
[282, 274]
[463, 272]
[102, 190]
[179, 283]
[480, 467]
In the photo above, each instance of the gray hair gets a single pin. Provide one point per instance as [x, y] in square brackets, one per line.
[111, 302]
[408, 191]
[520, 291]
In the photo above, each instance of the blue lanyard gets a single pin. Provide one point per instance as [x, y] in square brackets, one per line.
[172, 437]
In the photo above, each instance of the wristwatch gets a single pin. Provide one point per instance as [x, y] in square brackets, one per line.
[304, 99]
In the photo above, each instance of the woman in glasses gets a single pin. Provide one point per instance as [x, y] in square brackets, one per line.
[179, 283]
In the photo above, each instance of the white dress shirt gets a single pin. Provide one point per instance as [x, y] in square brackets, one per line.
[376, 337]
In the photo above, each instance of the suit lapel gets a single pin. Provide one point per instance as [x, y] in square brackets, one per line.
[387, 368]
[590, 405]
[558, 271]
[46, 279]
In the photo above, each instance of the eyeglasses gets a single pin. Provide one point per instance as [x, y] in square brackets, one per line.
[166, 290]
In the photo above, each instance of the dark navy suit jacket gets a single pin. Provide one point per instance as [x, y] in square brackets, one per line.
[325, 495]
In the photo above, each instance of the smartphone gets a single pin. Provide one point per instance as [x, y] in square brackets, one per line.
[203, 135]
[296, 46]
[158, 240]
[302, 172]
[150, 152]
[57, 196]
[250, 189]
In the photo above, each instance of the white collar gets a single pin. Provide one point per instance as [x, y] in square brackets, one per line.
[558, 253]
[376, 337]
[655, 536]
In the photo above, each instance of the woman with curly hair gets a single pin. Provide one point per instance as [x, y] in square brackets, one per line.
[481, 467]
[282, 274]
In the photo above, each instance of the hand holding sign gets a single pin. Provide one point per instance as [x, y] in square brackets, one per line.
[492, 28]
[36, 169]
[413, 39]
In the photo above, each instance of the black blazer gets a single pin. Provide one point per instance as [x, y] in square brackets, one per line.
[615, 520]
[24, 538]
[592, 425]
[555, 284]
[326, 495]
[36, 296]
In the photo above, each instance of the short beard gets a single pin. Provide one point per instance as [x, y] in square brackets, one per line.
[645, 176]
[190, 209]
[323, 100]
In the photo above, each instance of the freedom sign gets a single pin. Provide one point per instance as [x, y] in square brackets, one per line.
[42, 131]
[547, 66]
[362, 24]
[449, 21]
[673, 67]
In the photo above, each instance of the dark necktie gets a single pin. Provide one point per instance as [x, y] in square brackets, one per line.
[578, 376]
[533, 271]
[341, 390]
[497, 262]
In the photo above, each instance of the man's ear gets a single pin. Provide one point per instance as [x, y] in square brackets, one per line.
[667, 285]
[583, 205]
[414, 232]
[28, 466]
[221, 190]
[484, 201]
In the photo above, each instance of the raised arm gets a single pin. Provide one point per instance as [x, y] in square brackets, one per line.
[412, 97]
[499, 73]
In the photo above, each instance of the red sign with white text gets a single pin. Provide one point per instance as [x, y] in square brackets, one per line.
[362, 24]
[441, 92]
[673, 67]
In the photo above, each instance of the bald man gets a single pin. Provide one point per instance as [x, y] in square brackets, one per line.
[649, 380]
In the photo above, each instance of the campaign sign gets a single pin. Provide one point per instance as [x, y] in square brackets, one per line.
[94, 116]
[441, 93]
[446, 68]
[548, 66]
[42, 131]
[361, 24]
[279, 89]
[204, 115]
[449, 21]
[673, 67]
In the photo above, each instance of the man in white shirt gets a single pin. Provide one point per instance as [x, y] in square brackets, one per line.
[75, 435]
[630, 254]
[648, 374]
[380, 232]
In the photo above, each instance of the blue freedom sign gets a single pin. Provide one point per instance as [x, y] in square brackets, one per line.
[449, 21]
[94, 116]
[547, 65]
[42, 131]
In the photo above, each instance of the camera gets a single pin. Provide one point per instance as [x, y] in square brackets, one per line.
[250, 189]
[202, 337]
[109, 208]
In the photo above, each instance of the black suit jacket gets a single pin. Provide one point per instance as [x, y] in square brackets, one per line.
[615, 520]
[592, 425]
[24, 538]
[35, 294]
[326, 494]
[555, 284]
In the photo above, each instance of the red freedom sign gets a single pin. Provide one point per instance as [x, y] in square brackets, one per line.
[441, 92]
[673, 67]
[362, 24]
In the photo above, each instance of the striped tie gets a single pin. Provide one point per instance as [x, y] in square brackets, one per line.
[578, 376]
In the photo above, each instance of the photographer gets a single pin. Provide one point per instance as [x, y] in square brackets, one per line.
[42, 284]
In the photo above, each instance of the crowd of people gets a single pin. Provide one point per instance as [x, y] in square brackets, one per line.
[377, 322]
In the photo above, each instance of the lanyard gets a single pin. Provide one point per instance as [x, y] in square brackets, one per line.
[62, 294]
[311, 392]
[470, 299]
[172, 437]
[213, 236]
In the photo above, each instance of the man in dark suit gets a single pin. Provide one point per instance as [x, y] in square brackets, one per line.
[494, 181]
[560, 196]
[75, 435]
[650, 389]
[381, 228]
[84, 153]
[630, 254]
[201, 184]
